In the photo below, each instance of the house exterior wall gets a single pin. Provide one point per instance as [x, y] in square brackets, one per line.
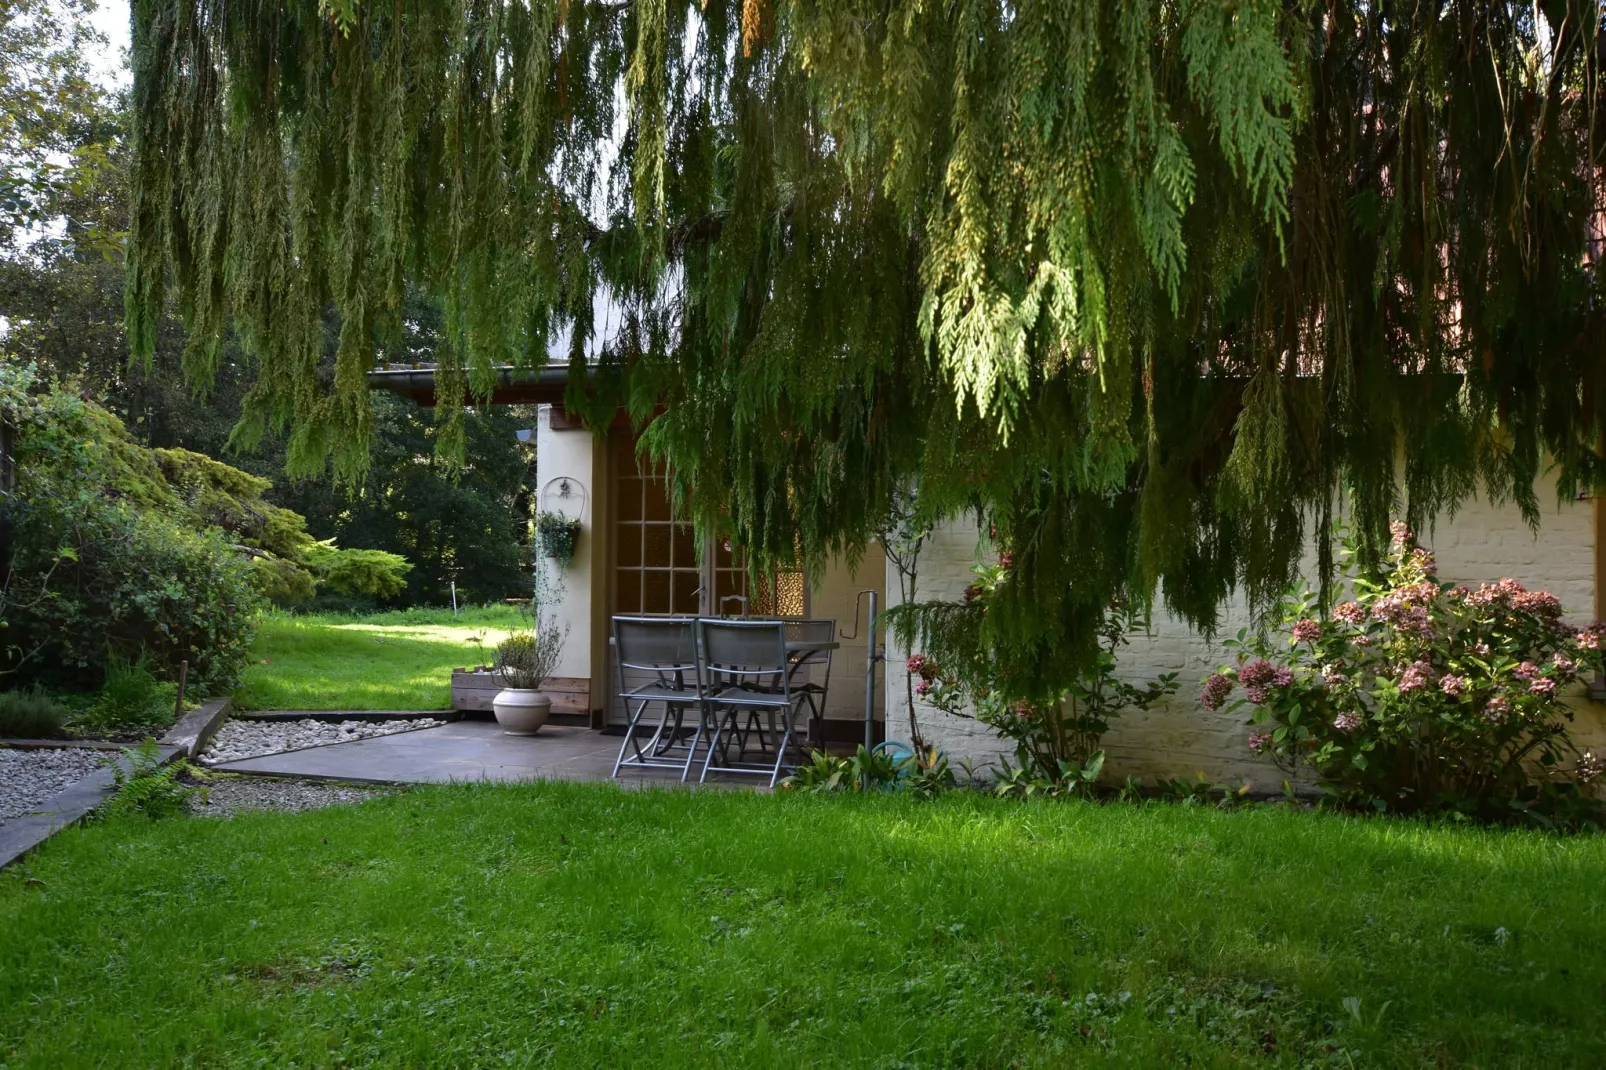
[572, 593]
[1180, 738]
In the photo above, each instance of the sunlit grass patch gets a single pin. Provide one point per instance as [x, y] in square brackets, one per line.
[389, 661]
[580, 925]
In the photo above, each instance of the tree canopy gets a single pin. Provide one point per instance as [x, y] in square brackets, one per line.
[1152, 285]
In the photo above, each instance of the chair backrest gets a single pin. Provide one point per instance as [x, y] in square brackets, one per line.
[662, 644]
[803, 634]
[746, 653]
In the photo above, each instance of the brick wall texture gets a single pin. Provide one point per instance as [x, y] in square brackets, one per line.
[1481, 543]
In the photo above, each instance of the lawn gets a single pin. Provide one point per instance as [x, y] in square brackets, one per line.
[387, 661]
[580, 925]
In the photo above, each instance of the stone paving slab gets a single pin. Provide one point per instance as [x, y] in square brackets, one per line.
[464, 750]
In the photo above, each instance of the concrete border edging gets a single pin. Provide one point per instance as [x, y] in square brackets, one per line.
[20, 835]
[196, 730]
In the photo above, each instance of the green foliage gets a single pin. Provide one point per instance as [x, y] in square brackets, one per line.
[925, 774]
[143, 785]
[974, 670]
[1148, 286]
[359, 572]
[132, 697]
[30, 713]
[105, 559]
[1425, 696]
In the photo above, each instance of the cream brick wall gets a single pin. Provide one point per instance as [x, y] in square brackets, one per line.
[1481, 543]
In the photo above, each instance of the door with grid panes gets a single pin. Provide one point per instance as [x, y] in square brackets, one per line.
[656, 567]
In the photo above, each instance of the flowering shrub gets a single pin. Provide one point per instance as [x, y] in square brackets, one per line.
[1421, 695]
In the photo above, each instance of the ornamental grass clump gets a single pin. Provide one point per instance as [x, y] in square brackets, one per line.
[1419, 695]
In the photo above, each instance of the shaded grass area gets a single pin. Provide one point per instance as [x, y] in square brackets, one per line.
[386, 661]
[581, 925]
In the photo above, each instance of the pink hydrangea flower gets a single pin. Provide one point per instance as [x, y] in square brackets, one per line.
[923, 688]
[1587, 640]
[1257, 694]
[1307, 630]
[1543, 686]
[1400, 533]
[1259, 741]
[1217, 687]
[1453, 685]
[1347, 721]
[1361, 640]
[1282, 677]
[1497, 709]
[1416, 676]
[1526, 671]
[1350, 612]
[1257, 673]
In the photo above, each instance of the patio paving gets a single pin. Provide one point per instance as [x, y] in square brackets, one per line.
[464, 750]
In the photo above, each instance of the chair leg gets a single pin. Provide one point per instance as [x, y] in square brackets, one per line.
[630, 735]
[780, 749]
[713, 743]
[691, 751]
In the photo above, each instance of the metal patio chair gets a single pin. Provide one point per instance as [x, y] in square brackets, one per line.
[747, 670]
[657, 663]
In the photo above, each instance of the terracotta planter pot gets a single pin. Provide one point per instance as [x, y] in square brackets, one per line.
[521, 712]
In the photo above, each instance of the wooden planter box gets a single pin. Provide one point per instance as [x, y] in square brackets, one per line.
[473, 690]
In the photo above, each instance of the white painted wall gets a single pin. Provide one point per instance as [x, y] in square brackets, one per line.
[572, 454]
[1481, 543]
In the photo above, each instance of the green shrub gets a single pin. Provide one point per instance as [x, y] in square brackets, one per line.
[30, 713]
[132, 695]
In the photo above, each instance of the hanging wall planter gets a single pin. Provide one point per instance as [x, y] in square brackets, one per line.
[559, 535]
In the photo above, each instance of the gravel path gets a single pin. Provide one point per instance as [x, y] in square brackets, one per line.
[225, 798]
[29, 777]
[239, 739]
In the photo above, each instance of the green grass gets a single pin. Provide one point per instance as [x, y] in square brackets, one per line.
[578, 925]
[386, 661]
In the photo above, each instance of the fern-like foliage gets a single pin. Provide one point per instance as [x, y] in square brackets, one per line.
[1153, 285]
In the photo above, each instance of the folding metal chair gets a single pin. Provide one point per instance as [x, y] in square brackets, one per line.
[747, 671]
[809, 643]
[657, 663]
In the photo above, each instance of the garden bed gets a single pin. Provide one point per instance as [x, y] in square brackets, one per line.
[242, 738]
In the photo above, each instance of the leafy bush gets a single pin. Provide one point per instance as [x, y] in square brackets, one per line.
[147, 787]
[30, 713]
[924, 773]
[133, 696]
[1423, 696]
[1056, 736]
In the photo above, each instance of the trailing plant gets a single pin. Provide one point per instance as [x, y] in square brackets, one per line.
[1421, 695]
[559, 535]
[30, 713]
[1147, 285]
[146, 786]
[525, 658]
[971, 671]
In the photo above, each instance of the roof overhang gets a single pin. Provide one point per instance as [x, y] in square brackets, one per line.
[513, 386]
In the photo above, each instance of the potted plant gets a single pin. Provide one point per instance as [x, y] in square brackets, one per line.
[559, 535]
[523, 660]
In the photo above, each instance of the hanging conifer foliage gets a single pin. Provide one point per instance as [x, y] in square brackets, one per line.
[1150, 284]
